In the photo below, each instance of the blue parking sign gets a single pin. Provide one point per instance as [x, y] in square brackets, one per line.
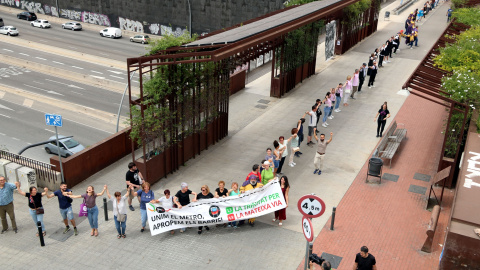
[53, 120]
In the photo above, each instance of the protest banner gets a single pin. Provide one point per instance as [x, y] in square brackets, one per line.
[251, 204]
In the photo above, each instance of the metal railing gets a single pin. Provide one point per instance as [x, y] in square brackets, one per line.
[42, 169]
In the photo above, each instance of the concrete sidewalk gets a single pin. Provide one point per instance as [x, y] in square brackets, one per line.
[252, 129]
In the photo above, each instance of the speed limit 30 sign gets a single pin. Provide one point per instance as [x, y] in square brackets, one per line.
[311, 206]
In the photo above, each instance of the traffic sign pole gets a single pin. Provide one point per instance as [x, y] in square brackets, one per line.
[59, 155]
[310, 206]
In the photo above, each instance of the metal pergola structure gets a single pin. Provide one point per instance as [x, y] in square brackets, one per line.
[235, 49]
[426, 82]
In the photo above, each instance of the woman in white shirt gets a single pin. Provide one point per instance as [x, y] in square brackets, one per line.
[119, 210]
[167, 202]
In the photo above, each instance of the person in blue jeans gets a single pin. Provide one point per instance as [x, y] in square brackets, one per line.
[119, 204]
[34, 203]
[92, 210]
[146, 196]
[328, 106]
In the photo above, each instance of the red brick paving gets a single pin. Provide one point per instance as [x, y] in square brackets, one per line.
[387, 218]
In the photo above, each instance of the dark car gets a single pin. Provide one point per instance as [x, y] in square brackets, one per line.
[29, 16]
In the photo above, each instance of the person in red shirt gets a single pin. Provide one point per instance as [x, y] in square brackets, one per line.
[255, 171]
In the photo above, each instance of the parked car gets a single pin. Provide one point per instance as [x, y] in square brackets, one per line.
[140, 39]
[8, 30]
[1, 22]
[68, 146]
[29, 16]
[41, 24]
[72, 26]
[111, 32]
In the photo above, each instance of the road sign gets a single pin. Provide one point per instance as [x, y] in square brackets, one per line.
[311, 206]
[307, 229]
[53, 120]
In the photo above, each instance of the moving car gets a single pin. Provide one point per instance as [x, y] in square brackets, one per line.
[68, 146]
[72, 26]
[41, 24]
[140, 39]
[8, 30]
[29, 16]
[111, 32]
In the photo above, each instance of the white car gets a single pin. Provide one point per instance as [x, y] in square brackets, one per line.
[41, 23]
[72, 25]
[9, 30]
[111, 32]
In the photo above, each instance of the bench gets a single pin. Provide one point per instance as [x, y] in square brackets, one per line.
[403, 6]
[391, 141]
[432, 226]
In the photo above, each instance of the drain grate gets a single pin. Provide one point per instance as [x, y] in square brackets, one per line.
[417, 189]
[261, 106]
[264, 101]
[391, 177]
[333, 259]
[422, 177]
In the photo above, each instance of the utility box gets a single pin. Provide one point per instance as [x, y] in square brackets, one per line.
[3, 162]
[11, 172]
[27, 178]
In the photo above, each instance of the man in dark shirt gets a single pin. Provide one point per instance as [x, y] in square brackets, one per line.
[133, 178]
[182, 198]
[364, 260]
[65, 204]
[362, 75]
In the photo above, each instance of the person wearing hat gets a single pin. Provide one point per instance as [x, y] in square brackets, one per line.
[362, 75]
[252, 184]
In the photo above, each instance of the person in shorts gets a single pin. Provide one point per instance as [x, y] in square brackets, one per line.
[133, 178]
[65, 204]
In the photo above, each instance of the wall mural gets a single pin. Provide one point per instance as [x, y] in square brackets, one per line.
[331, 29]
[95, 18]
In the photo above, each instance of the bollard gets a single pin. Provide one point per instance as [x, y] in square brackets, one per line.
[105, 208]
[40, 233]
[333, 218]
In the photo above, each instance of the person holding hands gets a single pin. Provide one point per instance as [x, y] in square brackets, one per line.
[35, 204]
[89, 198]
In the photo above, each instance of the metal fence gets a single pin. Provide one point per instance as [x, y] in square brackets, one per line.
[43, 170]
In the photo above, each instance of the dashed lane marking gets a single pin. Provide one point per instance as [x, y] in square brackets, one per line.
[96, 72]
[3, 134]
[5, 115]
[60, 63]
[77, 67]
[16, 139]
[77, 93]
[50, 130]
[28, 103]
[24, 54]
[98, 77]
[116, 72]
[7, 50]
[40, 58]
[116, 77]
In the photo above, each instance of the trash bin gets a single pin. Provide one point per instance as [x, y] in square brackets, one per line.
[375, 166]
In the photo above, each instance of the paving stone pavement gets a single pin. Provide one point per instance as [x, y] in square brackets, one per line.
[251, 131]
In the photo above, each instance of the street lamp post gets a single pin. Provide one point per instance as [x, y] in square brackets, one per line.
[190, 18]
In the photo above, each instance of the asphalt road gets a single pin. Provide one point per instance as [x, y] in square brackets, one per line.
[65, 63]
[61, 89]
[85, 41]
[22, 126]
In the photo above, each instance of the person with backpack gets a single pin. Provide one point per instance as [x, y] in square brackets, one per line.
[65, 204]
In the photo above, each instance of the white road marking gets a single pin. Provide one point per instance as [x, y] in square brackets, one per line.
[41, 58]
[96, 72]
[135, 81]
[15, 139]
[37, 82]
[48, 91]
[77, 67]
[5, 107]
[116, 72]
[116, 77]
[50, 130]
[69, 85]
[91, 127]
[77, 93]
[7, 50]
[60, 63]
[28, 103]
[29, 143]
[5, 115]
[24, 54]
[2, 134]
[98, 77]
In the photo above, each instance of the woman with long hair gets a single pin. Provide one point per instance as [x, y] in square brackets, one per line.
[281, 214]
[35, 205]
[92, 210]
[382, 116]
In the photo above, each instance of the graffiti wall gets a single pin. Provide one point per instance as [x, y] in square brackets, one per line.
[137, 17]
